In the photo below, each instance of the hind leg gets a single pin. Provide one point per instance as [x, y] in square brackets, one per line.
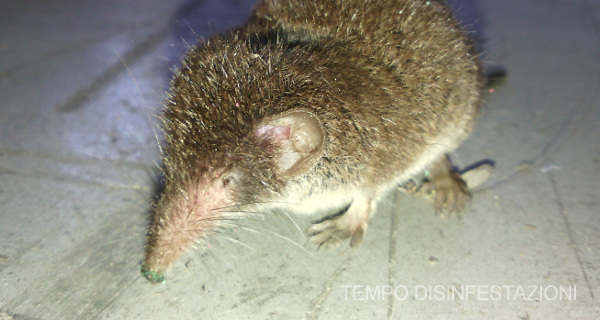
[450, 192]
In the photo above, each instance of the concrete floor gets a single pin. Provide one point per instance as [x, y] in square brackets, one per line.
[81, 81]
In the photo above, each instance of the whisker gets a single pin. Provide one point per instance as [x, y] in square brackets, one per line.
[229, 206]
[136, 185]
[282, 237]
[151, 173]
[198, 38]
[228, 224]
[144, 103]
[237, 241]
[208, 219]
[242, 211]
[295, 224]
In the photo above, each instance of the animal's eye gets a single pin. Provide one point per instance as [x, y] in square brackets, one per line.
[229, 180]
[226, 181]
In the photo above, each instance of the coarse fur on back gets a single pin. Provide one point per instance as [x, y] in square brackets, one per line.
[311, 100]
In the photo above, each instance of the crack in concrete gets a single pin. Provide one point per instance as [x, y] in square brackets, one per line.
[392, 253]
[77, 100]
[316, 303]
[115, 297]
[50, 173]
[567, 224]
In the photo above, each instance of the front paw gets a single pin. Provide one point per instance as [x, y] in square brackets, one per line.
[331, 232]
[351, 224]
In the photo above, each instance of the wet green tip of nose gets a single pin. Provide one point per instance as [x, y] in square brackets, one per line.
[152, 276]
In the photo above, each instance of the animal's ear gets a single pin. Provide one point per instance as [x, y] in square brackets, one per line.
[299, 136]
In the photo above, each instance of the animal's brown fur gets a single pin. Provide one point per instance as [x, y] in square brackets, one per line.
[388, 80]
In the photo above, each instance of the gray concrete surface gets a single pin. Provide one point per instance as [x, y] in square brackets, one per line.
[80, 83]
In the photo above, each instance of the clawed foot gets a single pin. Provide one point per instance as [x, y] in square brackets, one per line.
[450, 189]
[351, 224]
[450, 194]
[330, 233]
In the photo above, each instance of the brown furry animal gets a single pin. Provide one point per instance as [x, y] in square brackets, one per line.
[313, 106]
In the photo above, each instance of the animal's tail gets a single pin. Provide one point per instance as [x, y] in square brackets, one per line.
[494, 75]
